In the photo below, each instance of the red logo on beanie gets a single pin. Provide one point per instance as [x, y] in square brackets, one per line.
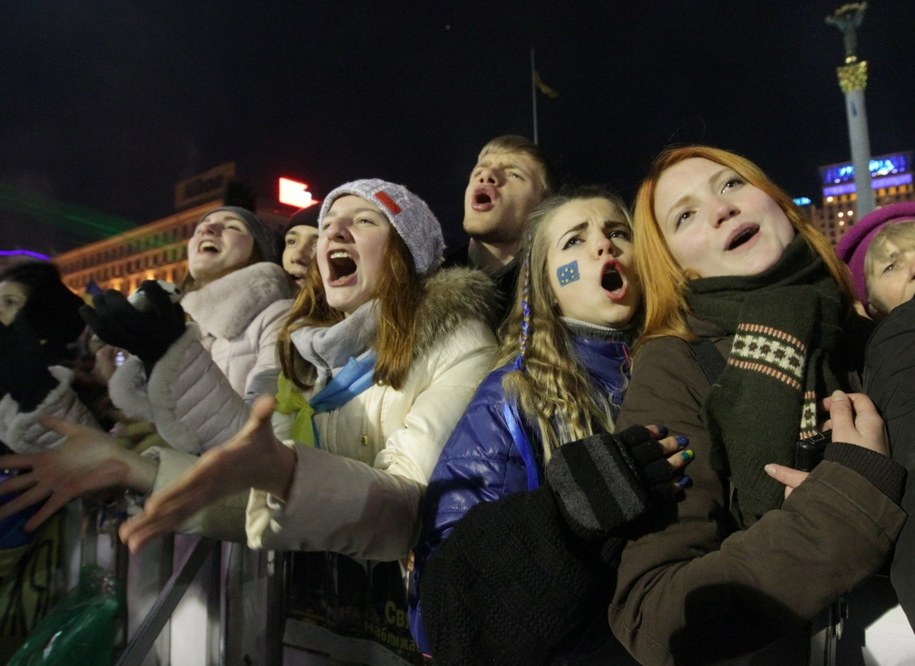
[388, 202]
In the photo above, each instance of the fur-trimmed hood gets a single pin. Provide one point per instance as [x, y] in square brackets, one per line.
[454, 295]
[226, 306]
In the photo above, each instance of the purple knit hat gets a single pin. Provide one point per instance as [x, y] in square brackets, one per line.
[854, 244]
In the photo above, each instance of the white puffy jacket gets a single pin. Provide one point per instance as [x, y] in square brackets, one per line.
[192, 394]
[359, 493]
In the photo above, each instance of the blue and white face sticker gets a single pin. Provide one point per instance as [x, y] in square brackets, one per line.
[590, 263]
[568, 273]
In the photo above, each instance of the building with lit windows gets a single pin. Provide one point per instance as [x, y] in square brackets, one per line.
[891, 181]
[158, 250]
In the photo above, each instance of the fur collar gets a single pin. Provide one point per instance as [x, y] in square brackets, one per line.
[225, 307]
[453, 296]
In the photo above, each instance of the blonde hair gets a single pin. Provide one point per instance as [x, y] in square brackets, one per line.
[663, 280]
[399, 292]
[555, 397]
[901, 235]
[512, 143]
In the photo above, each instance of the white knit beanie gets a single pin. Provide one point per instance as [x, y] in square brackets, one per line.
[414, 222]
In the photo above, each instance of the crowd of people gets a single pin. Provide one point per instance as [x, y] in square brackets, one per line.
[572, 441]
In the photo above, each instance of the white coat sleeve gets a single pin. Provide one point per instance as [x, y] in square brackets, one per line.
[223, 519]
[23, 433]
[191, 401]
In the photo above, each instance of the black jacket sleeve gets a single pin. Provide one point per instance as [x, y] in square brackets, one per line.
[889, 380]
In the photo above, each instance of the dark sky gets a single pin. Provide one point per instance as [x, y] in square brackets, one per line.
[105, 105]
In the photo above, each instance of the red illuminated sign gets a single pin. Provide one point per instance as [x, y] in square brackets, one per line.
[294, 193]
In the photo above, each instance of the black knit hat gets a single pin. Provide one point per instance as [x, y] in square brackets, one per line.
[306, 217]
[52, 310]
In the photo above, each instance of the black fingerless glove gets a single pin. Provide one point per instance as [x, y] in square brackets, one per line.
[605, 481]
[24, 372]
[146, 333]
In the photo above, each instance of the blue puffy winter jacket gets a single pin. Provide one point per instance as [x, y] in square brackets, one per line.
[481, 461]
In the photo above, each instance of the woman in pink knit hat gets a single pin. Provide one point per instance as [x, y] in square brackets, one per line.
[880, 252]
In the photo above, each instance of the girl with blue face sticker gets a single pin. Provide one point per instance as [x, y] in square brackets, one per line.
[560, 376]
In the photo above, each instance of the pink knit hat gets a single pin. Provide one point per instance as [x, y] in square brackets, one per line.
[854, 244]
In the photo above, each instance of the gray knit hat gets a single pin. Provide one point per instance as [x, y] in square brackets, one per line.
[414, 222]
[265, 238]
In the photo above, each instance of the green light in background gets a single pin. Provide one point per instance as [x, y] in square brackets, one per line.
[74, 219]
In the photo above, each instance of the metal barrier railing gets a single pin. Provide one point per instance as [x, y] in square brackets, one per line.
[176, 586]
[187, 574]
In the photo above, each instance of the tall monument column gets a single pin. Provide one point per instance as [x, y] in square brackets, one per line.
[853, 80]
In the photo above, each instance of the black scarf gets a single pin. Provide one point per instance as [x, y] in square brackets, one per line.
[786, 323]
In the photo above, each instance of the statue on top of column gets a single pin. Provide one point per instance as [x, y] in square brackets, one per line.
[847, 18]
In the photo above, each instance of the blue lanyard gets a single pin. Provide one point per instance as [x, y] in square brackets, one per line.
[523, 444]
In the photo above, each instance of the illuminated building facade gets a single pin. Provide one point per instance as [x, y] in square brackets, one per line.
[158, 250]
[891, 181]
[154, 251]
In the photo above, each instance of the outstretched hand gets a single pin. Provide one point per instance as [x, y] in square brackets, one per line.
[254, 458]
[88, 461]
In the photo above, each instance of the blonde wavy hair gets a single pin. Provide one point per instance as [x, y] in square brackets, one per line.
[663, 280]
[554, 396]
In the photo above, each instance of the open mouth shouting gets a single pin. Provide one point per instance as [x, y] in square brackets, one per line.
[208, 246]
[483, 198]
[613, 280]
[342, 265]
[741, 236]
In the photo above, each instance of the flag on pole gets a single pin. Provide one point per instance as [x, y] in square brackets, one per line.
[552, 93]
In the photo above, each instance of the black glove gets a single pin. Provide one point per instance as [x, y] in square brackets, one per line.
[23, 367]
[146, 333]
[604, 481]
[509, 584]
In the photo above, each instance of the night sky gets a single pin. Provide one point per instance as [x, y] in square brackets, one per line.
[106, 105]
